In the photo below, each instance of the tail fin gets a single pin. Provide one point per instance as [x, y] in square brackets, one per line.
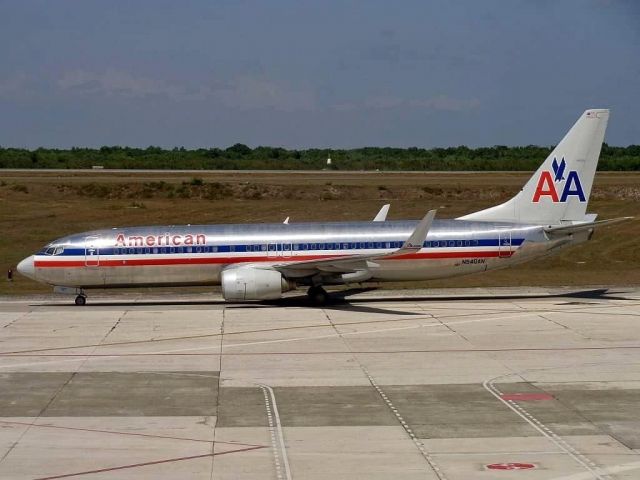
[560, 188]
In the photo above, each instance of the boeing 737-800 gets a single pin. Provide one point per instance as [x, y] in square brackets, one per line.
[261, 261]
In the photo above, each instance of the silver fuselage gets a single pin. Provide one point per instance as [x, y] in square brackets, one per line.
[197, 254]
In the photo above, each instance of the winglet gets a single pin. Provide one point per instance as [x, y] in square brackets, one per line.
[382, 214]
[419, 235]
[286, 221]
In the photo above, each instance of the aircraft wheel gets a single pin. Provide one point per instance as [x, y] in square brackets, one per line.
[318, 295]
[81, 300]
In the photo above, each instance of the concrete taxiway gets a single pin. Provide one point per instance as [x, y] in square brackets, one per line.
[448, 385]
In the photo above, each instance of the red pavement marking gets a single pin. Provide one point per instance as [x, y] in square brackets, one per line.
[126, 433]
[526, 397]
[157, 462]
[511, 466]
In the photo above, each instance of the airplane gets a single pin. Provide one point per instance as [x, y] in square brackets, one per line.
[262, 261]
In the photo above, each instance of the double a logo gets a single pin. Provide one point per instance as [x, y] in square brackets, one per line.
[549, 185]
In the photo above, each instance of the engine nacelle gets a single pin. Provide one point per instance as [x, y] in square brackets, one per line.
[248, 283]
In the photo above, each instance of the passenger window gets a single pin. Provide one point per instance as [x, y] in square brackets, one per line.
[459, 243]
[474, 243]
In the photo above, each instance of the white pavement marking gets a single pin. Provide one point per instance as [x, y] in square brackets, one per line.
[270, 402]
[593, 470]
[434, 466]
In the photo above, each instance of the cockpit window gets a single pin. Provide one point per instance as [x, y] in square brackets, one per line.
[53, 250]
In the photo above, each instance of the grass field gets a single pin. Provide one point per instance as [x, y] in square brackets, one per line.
[37, 207]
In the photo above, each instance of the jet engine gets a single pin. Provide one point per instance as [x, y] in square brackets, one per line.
[249, 283]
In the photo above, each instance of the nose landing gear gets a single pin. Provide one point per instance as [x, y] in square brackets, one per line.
[81, 300]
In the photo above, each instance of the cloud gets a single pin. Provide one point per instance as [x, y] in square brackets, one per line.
[438, 103]
[123, 84]
[446, 103]
[249, 93]
[242, 93]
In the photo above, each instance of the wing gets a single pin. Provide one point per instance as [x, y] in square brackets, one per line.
[355, 263]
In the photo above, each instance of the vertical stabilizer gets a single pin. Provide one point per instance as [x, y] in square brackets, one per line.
[559, 190]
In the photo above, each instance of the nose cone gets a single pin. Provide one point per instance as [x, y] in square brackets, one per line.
[26, 268]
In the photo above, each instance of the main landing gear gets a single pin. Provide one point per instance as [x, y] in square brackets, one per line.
[81, 300]
[318, 295]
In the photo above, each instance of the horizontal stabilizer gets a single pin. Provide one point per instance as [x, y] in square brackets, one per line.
[577, 227]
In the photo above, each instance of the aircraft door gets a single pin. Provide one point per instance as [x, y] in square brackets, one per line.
[91, 252]
[504, 244]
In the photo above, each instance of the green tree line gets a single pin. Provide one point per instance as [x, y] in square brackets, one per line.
[242, 157]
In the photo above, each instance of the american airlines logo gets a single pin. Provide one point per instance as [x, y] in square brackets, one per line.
[165, 240]
[551, 184]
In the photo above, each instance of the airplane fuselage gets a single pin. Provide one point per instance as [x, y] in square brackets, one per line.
[197, 254]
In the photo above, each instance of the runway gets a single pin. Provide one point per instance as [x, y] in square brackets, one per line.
[519, 383]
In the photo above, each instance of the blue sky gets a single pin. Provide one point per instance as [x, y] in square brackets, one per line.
[315, 74]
